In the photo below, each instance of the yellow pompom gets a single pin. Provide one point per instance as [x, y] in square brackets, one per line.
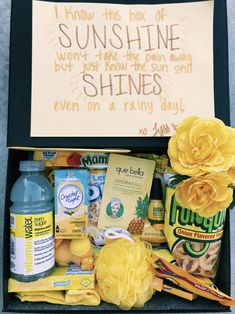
[80, 247]
[63, 256]
[124, 273]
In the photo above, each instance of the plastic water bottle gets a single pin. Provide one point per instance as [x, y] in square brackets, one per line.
[31, 220]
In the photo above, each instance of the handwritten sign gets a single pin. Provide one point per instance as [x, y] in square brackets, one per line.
[120, 70]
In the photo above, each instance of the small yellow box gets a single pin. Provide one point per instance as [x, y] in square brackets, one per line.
[63, 278]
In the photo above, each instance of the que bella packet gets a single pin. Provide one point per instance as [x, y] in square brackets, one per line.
[126, 193]
[194, 241]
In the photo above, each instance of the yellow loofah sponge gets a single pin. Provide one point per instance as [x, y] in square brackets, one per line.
[124, 273]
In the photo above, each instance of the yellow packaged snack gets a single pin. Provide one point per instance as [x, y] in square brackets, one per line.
[179, 292]
[51, 178]
[194, 241]
[76, 159]
[182, 278]
[160, 285]
[161, 161]
[96, 186]
[164, 253]
[152, 234]
[168, 285]
[71, 277]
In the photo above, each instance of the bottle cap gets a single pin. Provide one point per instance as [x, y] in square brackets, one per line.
[31, 165]
[156, 189]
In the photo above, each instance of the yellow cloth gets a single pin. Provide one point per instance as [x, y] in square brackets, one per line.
[56, 297]
[70, 297]
[84, 297]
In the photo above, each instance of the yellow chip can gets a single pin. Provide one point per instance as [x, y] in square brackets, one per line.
[194, 241]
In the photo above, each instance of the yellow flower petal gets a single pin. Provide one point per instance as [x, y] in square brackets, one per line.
[202, 146]
[206, 194]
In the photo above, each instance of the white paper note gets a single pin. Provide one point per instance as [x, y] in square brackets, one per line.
[120, 70]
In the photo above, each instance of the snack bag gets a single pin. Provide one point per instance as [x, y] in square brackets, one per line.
[76, 159]
[164, 253]
[51, 179]
[164, 285]
[160, 161]
[152, 234]
[96, 185]
[194, 241]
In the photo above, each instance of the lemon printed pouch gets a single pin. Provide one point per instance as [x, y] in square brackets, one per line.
[194, 241]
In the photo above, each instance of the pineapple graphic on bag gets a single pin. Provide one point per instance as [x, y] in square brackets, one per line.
[136, 225]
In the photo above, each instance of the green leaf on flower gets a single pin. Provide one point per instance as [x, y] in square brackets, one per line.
[176, 179]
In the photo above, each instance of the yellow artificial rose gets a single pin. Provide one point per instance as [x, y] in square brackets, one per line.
[202, 146]
[205, 195]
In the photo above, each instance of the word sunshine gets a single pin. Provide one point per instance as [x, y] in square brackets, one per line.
[148, 37]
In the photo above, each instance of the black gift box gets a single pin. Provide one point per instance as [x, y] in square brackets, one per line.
[19, 136]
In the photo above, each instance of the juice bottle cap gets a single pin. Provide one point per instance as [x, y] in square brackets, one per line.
[31, 165]
[156, 189]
